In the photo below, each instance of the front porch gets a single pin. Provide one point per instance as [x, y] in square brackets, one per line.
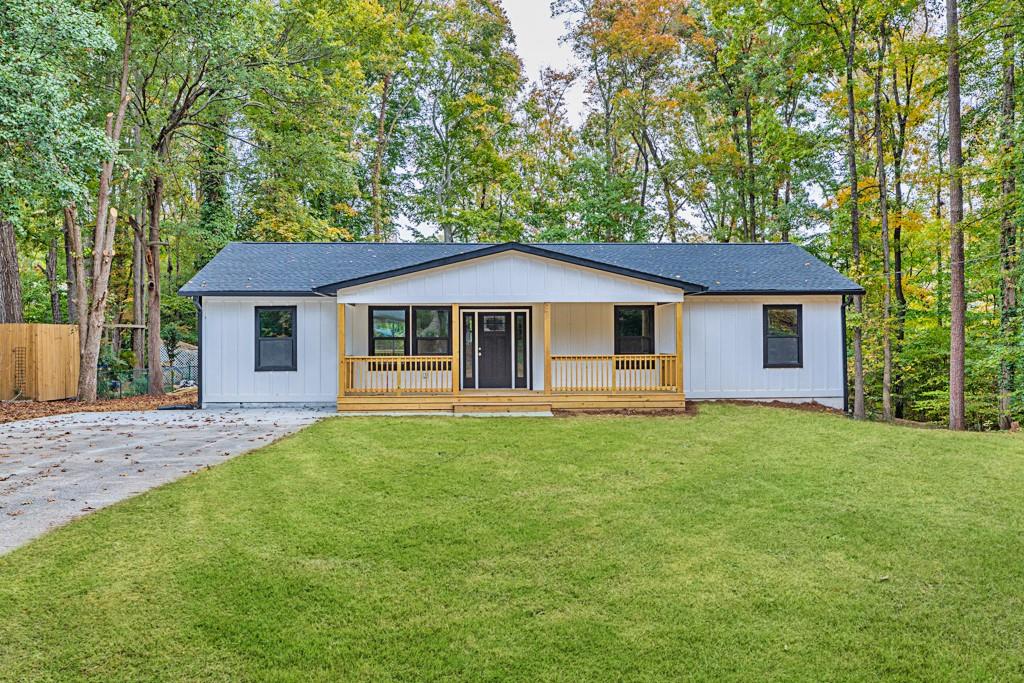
[467, 358]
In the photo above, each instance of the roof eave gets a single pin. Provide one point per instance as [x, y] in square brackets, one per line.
[859, 291]
[244, 292]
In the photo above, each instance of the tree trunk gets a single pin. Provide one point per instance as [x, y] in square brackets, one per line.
[741, 172]
[851, 155]
[156, 374]
[748, 126]
[786, 198]
[95, 301]
[883, 212]
[1008, 238]
[957, 301]
[901, 298]
[103, 256]
[903, 106]
[139, 294]
[70, 217]
[76, 271]
[666, 183]
[56, 315]
[378, 161]
[10, 277]
[937, 210]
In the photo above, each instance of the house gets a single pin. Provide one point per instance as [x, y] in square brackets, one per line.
[484, 327]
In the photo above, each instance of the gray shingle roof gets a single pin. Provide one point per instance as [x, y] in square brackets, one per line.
[297, 268]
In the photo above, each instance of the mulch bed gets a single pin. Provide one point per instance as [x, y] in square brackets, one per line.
[812, 407]
[11, 411]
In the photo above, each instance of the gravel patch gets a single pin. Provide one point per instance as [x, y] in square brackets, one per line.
[54, 469]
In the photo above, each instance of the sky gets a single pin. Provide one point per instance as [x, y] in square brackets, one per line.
[537, 41]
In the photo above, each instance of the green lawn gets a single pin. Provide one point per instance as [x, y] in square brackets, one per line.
[744, 543]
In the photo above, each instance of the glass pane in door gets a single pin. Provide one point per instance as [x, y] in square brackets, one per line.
[520, 351]
[494, 323]
[468, 350]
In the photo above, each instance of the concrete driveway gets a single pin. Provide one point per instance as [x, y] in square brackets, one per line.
[54, 469]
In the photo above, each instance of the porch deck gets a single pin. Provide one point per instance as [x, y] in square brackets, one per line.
[509, 401]
[454, 382]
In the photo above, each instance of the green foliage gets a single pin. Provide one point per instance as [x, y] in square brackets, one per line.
[387, 119]
[47, 145]
[178, 314]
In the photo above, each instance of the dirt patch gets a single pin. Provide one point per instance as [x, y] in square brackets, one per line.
[915, 424]
[11, 411]
[690, 410]
[812, 407]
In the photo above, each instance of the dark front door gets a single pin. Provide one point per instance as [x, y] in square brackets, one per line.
[495, 351]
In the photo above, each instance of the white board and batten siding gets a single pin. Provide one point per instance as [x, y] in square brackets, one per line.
[723, 339]
[229, 353]
[722, 335]
[723, 350]
[508, 277]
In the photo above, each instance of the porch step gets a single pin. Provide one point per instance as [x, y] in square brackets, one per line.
[517, 407]
[508, 402]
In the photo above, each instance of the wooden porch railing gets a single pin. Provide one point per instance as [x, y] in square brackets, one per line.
[614, 373]
[398, 374]
[576, 373]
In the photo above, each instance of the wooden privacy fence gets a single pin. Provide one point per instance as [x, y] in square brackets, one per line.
[38, 362]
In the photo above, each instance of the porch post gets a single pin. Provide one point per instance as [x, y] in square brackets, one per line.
[456, 347]
[341, 350]
[547, 348]
[679, 347]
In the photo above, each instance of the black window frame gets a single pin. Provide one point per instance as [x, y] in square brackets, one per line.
[294, 365]
[415, 338]
[799, 335]
[645, 365]
[371, 338]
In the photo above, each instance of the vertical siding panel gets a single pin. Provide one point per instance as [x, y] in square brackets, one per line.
[724, 354]
[509, 278]
[229, 354]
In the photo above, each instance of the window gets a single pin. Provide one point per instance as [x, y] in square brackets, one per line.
[433, 331]
[427, 333]
[783, 336]
[521, 379]
[634, 329]
[388, 331]
[275, 338]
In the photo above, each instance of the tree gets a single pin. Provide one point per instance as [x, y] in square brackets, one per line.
[842, 19]
[395, 62]
[546, 145]
[46, 142]
[883, 213]
[91, 300]
[957, 301]
[1008, 257]
[463, 169]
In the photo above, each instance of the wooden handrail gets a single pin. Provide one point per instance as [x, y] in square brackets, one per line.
[618, 373]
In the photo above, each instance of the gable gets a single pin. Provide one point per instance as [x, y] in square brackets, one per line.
[508, 277]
